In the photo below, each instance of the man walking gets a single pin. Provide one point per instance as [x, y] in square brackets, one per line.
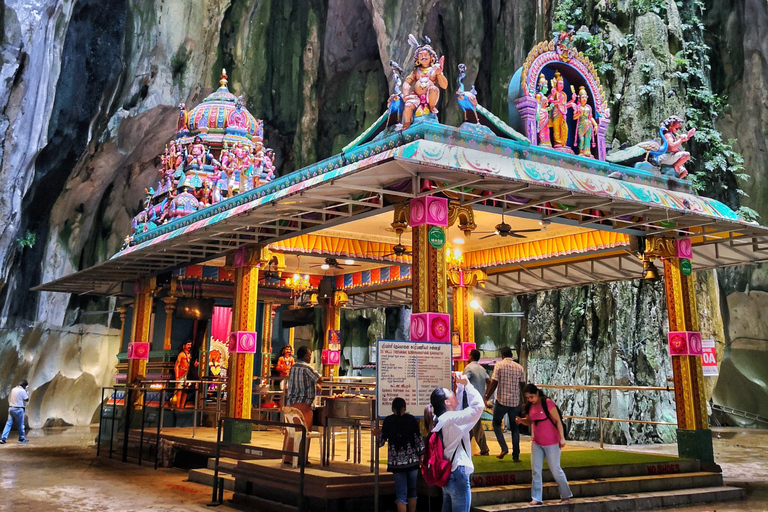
[509, 379]
[303, 385]
[17, 402]
[478, 377]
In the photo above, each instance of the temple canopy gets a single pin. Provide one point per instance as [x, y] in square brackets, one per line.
[343, 207]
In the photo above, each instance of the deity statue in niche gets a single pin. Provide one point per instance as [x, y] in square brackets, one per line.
[197, 153]
[585, 125]
[543, 112]
[559, 110]
[420, 89]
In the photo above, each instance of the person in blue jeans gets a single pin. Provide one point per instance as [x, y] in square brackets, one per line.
[547, 440]
[17, 402]
[508, 381]
[455, 426]
[406, 445]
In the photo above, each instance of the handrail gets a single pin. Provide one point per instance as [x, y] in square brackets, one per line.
[599, 417]
[218, 484]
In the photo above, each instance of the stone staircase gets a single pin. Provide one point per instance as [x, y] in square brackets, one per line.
[612, 488]
[205, 475]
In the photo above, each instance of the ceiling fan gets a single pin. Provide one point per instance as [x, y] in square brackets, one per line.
[504, 230]
[399, 250]
[334, 263]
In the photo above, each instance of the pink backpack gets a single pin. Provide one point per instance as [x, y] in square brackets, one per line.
[434, 468]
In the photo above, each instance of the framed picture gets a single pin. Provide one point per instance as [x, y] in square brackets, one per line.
[334, 340]
[456, 344]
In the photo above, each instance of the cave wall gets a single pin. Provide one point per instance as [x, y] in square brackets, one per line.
[88, 98]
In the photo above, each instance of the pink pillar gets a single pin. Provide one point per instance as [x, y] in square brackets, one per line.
[527, 108]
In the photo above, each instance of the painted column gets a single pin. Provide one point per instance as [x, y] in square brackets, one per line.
[331, 355]
[463, 282]
[138, 347]
[527, 106]
[266, 344]
[170, 308]
[123, 311]
[428, 219]
[694, 439]
[240, 369]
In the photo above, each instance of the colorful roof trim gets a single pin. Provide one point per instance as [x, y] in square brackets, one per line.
[547, 173]
[355, 249]
[395, 274]
[205, 272]
[545, 249]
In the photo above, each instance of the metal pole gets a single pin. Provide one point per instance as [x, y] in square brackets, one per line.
[216, 468]
[101, 420]
[159, 425]
[375, 467]
[143, 419]
[600, 415]
[128, 406]
[194, 414]
[302, 466]
[218, 402]
[112, 427]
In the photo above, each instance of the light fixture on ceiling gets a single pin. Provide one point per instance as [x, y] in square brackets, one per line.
[544, 223]
[458, 240]
[349, 262]
[325, 266]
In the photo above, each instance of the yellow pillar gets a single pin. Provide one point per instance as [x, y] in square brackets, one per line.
[240, 367]
[694, 437]
[142, 315]
[266, 344]
[123, 311]
[463, 282]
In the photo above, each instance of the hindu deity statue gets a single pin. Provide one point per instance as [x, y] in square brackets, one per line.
[586, 126]
[197, 153]
[420, 89]
[227, 163]
[542, 112]
[670, 153]
[205, 194]
[560, 105]
[184, 202]
[181, 124]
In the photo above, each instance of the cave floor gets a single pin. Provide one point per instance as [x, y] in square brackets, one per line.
[59, 470]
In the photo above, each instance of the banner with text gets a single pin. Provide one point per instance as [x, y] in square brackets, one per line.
[411, 370]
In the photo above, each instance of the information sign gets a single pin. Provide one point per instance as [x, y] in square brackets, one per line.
[708, 359]
[436, 237]
[411, 370]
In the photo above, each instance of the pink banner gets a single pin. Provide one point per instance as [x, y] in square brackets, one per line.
[221, 324]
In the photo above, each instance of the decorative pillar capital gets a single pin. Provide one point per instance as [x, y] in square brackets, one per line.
[170, 303]
[464, 214]
[660, 247]
[471, 277]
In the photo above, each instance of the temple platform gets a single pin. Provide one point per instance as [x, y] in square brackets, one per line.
[631, 480]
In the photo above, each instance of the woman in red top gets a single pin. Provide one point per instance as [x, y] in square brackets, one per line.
[547, 438]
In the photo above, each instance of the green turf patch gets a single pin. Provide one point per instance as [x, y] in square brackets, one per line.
[569, 459]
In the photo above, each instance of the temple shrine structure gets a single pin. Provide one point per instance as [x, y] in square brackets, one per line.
[538, 201]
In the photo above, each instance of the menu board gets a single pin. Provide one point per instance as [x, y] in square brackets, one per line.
[411, 370]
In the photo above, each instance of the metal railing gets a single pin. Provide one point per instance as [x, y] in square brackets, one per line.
[599, 418]
[135, 400]
[263, 452]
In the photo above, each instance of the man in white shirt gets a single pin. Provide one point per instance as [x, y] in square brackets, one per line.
[17, 402]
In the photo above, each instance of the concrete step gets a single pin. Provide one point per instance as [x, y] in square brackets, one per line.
[597, 487]
[225, 464]
[627, 502]
[205, 476]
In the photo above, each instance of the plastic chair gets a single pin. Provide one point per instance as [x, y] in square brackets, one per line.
[294, 415]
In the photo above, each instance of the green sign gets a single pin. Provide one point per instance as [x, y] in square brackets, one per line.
[685, 267]
[436, 237]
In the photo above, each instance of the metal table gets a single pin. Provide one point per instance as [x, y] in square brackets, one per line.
[349, 413]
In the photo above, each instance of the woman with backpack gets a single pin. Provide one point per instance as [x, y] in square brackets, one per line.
[406, 445]
[547, 439]
[454, 426]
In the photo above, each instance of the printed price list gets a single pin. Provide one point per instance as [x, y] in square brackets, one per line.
[411, 370]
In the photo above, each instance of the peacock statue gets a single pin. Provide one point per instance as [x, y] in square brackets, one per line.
[396, 102]
[467, 99]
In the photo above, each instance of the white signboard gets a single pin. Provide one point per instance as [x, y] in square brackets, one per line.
[708, 359]
[411, 370]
